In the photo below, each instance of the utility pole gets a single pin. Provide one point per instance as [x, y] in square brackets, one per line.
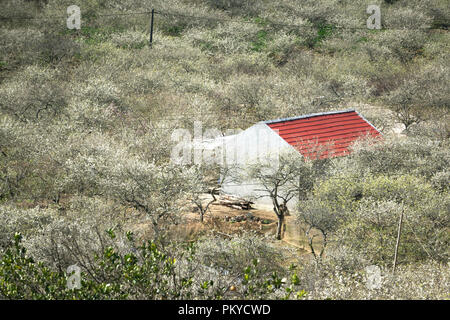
[151, 27]
[398, 240]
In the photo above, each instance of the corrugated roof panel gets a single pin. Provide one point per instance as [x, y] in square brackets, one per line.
[348, 115]
[334, 132]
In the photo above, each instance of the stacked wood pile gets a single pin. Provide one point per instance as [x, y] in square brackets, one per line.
[233, 202]
[241, 218]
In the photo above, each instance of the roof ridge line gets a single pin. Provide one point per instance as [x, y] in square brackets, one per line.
[308, 116]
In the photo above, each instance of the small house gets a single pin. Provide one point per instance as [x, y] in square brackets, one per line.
[318, 135]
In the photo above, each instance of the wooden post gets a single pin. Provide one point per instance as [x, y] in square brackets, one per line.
[398, 241]
[151, 27]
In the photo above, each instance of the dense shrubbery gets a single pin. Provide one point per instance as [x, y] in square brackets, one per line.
[124, 270]
[86, 117]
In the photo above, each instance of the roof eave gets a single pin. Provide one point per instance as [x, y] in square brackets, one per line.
[310, 116]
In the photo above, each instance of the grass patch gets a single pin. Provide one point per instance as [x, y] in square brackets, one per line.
[93, 35]
[174, 30]
[324, 31]
[260, 42]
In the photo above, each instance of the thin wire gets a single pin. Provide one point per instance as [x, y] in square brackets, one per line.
[65, 17]
[284, 24]
[174, 14]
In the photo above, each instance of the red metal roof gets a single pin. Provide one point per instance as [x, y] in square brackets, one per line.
[324, 135]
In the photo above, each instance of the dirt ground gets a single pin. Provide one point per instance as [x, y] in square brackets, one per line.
[225, 221]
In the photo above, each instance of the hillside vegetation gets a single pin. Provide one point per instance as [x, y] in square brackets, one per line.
[86, 119]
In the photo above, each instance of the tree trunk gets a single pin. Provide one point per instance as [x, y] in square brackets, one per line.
[325, 242]
[310, 242]
[279, 226]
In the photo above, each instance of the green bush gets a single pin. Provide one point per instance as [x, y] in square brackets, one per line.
[145, 274]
